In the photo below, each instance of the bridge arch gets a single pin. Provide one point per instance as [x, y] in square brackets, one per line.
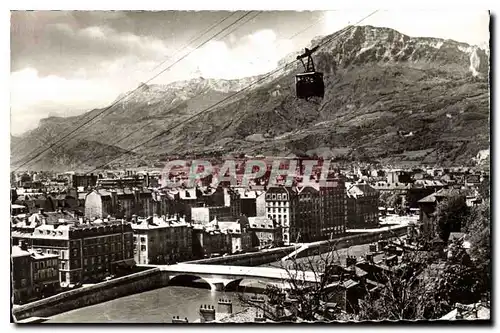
[190, 280]
[247, 285]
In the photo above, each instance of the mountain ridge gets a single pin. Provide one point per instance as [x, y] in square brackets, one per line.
[375, 78]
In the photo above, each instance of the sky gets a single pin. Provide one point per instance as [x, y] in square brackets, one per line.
[64, 63]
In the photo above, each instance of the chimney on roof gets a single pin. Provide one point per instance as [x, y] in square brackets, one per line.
[134, 219]
[351, 261]
[280, 311]
[177, 320]
[207, 313]
[225, 306]
[23, 245]
[40, 210]
[259, 317]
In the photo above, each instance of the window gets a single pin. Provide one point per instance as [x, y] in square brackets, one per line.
[279, 196]
[143, 247]
[284, 197]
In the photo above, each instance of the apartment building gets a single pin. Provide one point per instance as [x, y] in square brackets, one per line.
[162, 240]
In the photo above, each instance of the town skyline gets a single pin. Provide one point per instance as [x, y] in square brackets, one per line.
[250, 166]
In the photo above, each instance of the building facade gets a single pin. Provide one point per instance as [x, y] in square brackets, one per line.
[264, 232]
[162, 240]
[22, 283]
[120, 203]
[34, 274]
[84, 181]
[362, 206]
[204, 215]
[308, 213]
[88, 252]
[210, 241]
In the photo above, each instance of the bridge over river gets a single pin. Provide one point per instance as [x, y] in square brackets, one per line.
[223, 277]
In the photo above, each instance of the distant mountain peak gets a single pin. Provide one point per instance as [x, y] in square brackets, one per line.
[378, 82]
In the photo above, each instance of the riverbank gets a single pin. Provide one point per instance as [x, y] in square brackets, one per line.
[90, 295]
[154, 279]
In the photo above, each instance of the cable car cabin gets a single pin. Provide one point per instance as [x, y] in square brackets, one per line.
[309, 85]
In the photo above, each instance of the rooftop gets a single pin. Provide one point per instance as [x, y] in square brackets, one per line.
[18, 252]
[156, 222]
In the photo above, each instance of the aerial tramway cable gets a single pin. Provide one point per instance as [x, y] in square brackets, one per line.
[133, 91]
[198, 94]
[196, 37]
[335, 35]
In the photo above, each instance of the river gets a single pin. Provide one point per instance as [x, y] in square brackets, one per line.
[160, 305]
[154, 306]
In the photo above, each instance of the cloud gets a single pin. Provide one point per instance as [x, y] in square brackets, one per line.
[34, 97]
[256, 53]
[90, 85]
[63, 46]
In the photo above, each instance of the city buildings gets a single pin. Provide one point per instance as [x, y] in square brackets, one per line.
[209, 240]
[120, 203]
[22, 283]
[241, 238]
[428, 207]
[122, 182]
[84, 181]
[264, 231]
[308, 213]
[362, 206]
[162, 240]
[88, 252]
[34, 274]
[204, 215]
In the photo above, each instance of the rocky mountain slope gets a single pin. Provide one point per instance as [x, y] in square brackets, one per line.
[389, 98]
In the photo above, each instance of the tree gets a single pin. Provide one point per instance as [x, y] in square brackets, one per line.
[305, 300]
[406, 292]
[478, 227]
[390, 199]
[451, 213]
